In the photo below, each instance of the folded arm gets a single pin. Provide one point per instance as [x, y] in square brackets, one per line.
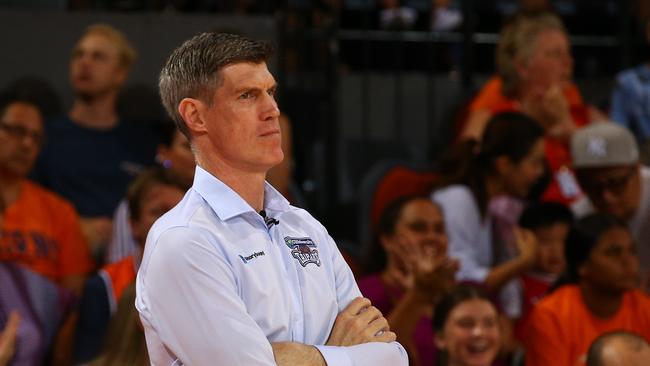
[192, 302]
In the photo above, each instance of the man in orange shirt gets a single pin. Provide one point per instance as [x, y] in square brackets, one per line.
[41, 230]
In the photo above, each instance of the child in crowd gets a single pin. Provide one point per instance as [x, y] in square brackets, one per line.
[550, 222]
[598, 293]
[466, 325]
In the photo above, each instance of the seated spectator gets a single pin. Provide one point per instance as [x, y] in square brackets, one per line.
[174, 154]
[619, 348]
[92, 154]
[630, 104]
[444, 17]
[409, 269]
[606, 161]
[466, 325]
[41, 230]
[125, 343]
[509, 161]
[154, 192]
[394, 16]
[598, 294]
[534, 77]
[550, 222]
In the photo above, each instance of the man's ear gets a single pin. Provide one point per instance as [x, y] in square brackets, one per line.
[190, 111]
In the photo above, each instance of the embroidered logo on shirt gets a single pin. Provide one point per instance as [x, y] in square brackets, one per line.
[250, 257]
[304, 250]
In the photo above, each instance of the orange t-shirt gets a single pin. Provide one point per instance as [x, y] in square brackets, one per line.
[42, 232]
[491, 94]
[561, 328]
[118, 277]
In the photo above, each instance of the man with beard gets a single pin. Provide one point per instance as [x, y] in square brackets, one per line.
[92, 154]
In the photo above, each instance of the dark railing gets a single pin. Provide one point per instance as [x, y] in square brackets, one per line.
[388, 70]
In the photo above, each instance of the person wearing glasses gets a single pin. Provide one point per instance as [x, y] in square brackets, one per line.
[41, 230]
[43, 253]
[606, 162]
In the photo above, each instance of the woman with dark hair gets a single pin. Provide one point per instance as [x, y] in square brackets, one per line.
[466, 325]
[597, 294]
[508, 162]
[409, 269]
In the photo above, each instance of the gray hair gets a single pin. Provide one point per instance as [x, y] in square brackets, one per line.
[192, 70]
[632, 340]
[518, 38]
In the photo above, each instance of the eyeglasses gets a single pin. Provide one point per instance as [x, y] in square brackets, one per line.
[615, 184]
[20, 133]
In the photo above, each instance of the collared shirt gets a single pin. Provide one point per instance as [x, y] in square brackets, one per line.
[217, 286]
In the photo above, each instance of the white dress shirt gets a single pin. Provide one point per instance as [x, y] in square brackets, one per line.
[217, 287]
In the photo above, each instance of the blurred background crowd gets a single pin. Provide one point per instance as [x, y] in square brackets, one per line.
[481, 165]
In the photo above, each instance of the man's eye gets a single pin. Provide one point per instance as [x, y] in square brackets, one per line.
[246, 95]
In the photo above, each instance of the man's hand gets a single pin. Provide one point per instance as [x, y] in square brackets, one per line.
[358, 323]
[8, 338]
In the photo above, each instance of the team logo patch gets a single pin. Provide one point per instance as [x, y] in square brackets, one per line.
[304, 250]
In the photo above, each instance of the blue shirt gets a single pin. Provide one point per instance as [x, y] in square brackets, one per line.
[217, 286]
[92, 168]
[630, 104]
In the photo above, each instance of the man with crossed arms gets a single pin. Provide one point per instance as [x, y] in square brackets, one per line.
[234, 275]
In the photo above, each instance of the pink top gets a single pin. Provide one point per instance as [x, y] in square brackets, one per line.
[384, 299]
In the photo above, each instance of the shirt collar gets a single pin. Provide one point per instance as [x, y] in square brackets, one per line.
[227, 203]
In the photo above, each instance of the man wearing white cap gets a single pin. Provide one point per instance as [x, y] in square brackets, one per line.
[606, 162]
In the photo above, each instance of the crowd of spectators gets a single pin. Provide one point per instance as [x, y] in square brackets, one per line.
[531, 248]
